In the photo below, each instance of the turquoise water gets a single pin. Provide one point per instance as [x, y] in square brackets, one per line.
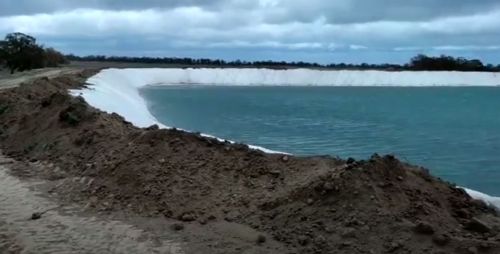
[455, 132]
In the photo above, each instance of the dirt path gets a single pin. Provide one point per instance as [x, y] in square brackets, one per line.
[64, 229]
[13, 80]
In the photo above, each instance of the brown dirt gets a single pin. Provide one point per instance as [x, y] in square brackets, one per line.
[298, 204]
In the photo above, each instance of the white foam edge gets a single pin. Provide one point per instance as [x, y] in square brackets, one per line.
[490, 200]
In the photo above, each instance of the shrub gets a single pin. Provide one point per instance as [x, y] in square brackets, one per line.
[54, 58]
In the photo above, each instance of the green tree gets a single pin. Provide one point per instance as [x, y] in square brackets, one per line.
[21, 52]
[2, 54]
[53, 58]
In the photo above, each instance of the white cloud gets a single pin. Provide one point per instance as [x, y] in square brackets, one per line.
[465, 47]
[357, 47]
[195, 21]
[86, 22]
[408, 48]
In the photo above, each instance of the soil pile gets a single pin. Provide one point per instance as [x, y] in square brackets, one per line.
[310, 204]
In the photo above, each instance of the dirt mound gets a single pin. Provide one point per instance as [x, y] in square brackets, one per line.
[310, 204]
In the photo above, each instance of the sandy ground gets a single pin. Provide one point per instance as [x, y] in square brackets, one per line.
[65, 229]
[68, 227]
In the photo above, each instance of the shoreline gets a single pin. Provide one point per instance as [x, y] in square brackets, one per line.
[122, 88]
[380, 204]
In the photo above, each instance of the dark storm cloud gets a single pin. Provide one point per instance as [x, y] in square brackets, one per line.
[335, 11]
[360, 11]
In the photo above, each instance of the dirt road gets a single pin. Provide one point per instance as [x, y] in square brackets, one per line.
[65, 229]
[12, 80]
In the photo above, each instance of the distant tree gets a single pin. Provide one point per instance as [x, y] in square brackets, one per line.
[419, 62]
[475, 65]
[54, 58]
[447, 63]
[20, 52]
[2, 54]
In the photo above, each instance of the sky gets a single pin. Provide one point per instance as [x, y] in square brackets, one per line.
[324, 31]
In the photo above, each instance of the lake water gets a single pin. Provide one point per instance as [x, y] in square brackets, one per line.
[453, 131]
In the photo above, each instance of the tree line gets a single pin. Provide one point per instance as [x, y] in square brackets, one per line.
[20, 52]
[417, 63]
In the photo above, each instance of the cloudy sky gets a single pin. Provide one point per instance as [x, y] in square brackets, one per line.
[324, 31]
